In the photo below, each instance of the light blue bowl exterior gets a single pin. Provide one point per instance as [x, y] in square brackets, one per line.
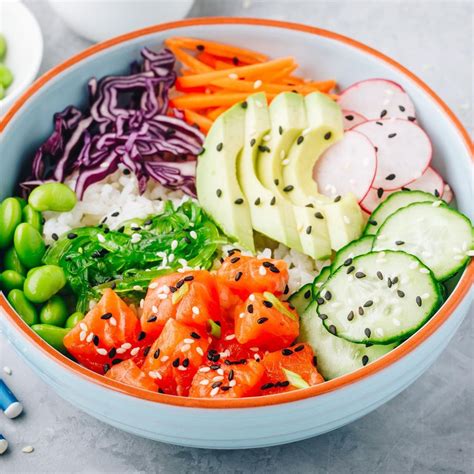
[249, 427]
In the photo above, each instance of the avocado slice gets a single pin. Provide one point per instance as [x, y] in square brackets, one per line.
[218, 189]
[271, 215]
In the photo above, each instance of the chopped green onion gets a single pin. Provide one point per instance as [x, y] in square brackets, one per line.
[178, 295]
[215, 328]
[279, 306]
[295, 379]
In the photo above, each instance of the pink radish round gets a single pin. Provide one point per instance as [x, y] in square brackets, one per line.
[351, 119]
[403, 151]
[378, 98]
[429, 182]
[347, 166]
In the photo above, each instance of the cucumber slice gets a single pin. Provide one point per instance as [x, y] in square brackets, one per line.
[351, 250]
[321, 279]
[382, 297]
[393, 203]
[300, 299]
[334, 355]
[438, 235]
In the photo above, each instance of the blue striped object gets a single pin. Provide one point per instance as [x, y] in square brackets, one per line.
[8, 402]
[3, 444]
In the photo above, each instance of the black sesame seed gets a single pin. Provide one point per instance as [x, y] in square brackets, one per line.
[399, 242]
[283, 383]
[318, 215]
[309, 229]
[112, 352]
[400, 293]
[436, 193]
[367, 332]
[418, 301]
[244, 105]
[349, 117]
[219, 146]
[257, 202]
[390, 177]
[372, 222]
[404, 188]
[332, 329]
[328, 295]
[395, 280]
[253, 141]
[195, 335]
[54, 236]
[287, 290]
[250, 308]
[200, 47]
[360, 275]
[262, 320]
[361, 310]
[71, 235]
[267, 264]
[235, 61]
[299, 348]
[402, 109]
[179, 284]
[310, 205]
[350, 316]
[379, 192]
[315, 361]
[234, 259]
[215, 367]
[368, 304]
[225, 388]
[186, 362]
[116, 361]
[276, 181]
[379, 123]
[106, 368]
[175, 363]
[126, 171]
[266, 386]
[273, 201]
[239, 201]
[121, 229]
[300, 140]
[365, 359]
[151, 319]
[383, 113]
[392, 135]
[106, 316]
[173, 289]
[307, 295]
[141, 336]
[411, 119]
[350, 269]
[267, 304]
[320, 300]
[327, 136]
[157, 353]
[380, 275]
[238, 276]
[218, 193]
[263, 148]
[287, 352]
[188, 278]
[347, 262]
[288, 188]
[160, 390]
[337, 198]
[96, 340]
[216, 384]
[323, 316]
[280, 130]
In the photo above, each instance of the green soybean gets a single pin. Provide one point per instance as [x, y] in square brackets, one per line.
[11, 280]
[22, 202]
[11, 261]
[44, 282]
[6, 76]
[54, 312]
[53, 335]
[52, 197]
[74, 319]
[3, 46]
[23, 307]
[10, 218]
[33, 218]
[29, 245]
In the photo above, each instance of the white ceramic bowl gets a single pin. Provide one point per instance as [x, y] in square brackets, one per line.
[25, 48]
[98, 20]
[258, 421]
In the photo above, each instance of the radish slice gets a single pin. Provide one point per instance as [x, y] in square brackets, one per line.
[429, 182]
[403, 151]
[348, 166]
[378, 98]
[351, 119]
[448, 194]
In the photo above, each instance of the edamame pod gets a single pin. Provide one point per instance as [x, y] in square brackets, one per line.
[44, 282]
[52, 197]
[29, 245]
[33, 218]
[11, 261]
[52, 335]
[54, 312]
[10, 218]
[11, 280]
[74, 319]
[23, 307]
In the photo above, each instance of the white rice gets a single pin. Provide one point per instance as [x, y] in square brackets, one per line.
[119, 193]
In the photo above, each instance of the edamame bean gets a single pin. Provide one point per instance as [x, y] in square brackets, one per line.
[10, 218]
[74, 319]
[22, 202]
[3, 46]
[11, 261]
[33, 218]
[11, 280]
[44, 282]
[52, 335]
[29, 245]
[54, 312]
[23, 307]
[52, 197]
[6, 76]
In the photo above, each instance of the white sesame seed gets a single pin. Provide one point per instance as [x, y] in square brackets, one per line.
[185, 347]
[220, 371]
[232, 383]
[164, 358]
[188, 341]
[195, 310]
[437, 203]
[137, 288]
[396, 322]
[120, 350]
[254, 349]
[113, 321]
[162, 296]
[90, 337]
[242, 315]
[171, 257]
[258, 83]
[346, 220]
[153, 285]
[306, 131]
[204, 382]
[424, 270]
[101, 351]
[183, 262]
[142, 303]
[256, 357]
[27, 449]
[214, 391]
[134, 351]
[100, 238]
[155, 375]
[199, 351]
[233, 76]
[230, 337]
[218, 378]
[82, 335]
[174, 245]
[425, 296]
[193, 234]
[285, 162]
[204, 369]
[7, 370]
[83, 326]
[182, 368]
[126, 345]
[262, 271]
[282, 154]
[252, 297]
[154, 309]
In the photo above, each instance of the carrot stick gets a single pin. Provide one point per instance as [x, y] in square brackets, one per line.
[323, 86]
[214, 113]
[244, 72]
[218, 49]
[275, 76]
[193, 117]
[258, 86]
[204, 101]
[190, 61]
[207, 58]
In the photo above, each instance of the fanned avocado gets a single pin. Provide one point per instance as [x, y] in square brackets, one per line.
[218, 189]
[270, 215]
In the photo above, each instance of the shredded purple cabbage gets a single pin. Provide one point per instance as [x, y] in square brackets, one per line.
[126, 124]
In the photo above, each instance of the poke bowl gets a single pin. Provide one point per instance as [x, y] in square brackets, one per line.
[208, 242]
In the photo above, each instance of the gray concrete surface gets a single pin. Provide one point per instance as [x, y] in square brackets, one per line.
[426, 429]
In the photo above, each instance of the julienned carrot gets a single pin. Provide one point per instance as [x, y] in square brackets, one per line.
[207, 58]
[190, 61]
[244, 72]
[324, 86]
[214, 113]
[218, 49]
[205, 101]
[276, 76]
[193, 117]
